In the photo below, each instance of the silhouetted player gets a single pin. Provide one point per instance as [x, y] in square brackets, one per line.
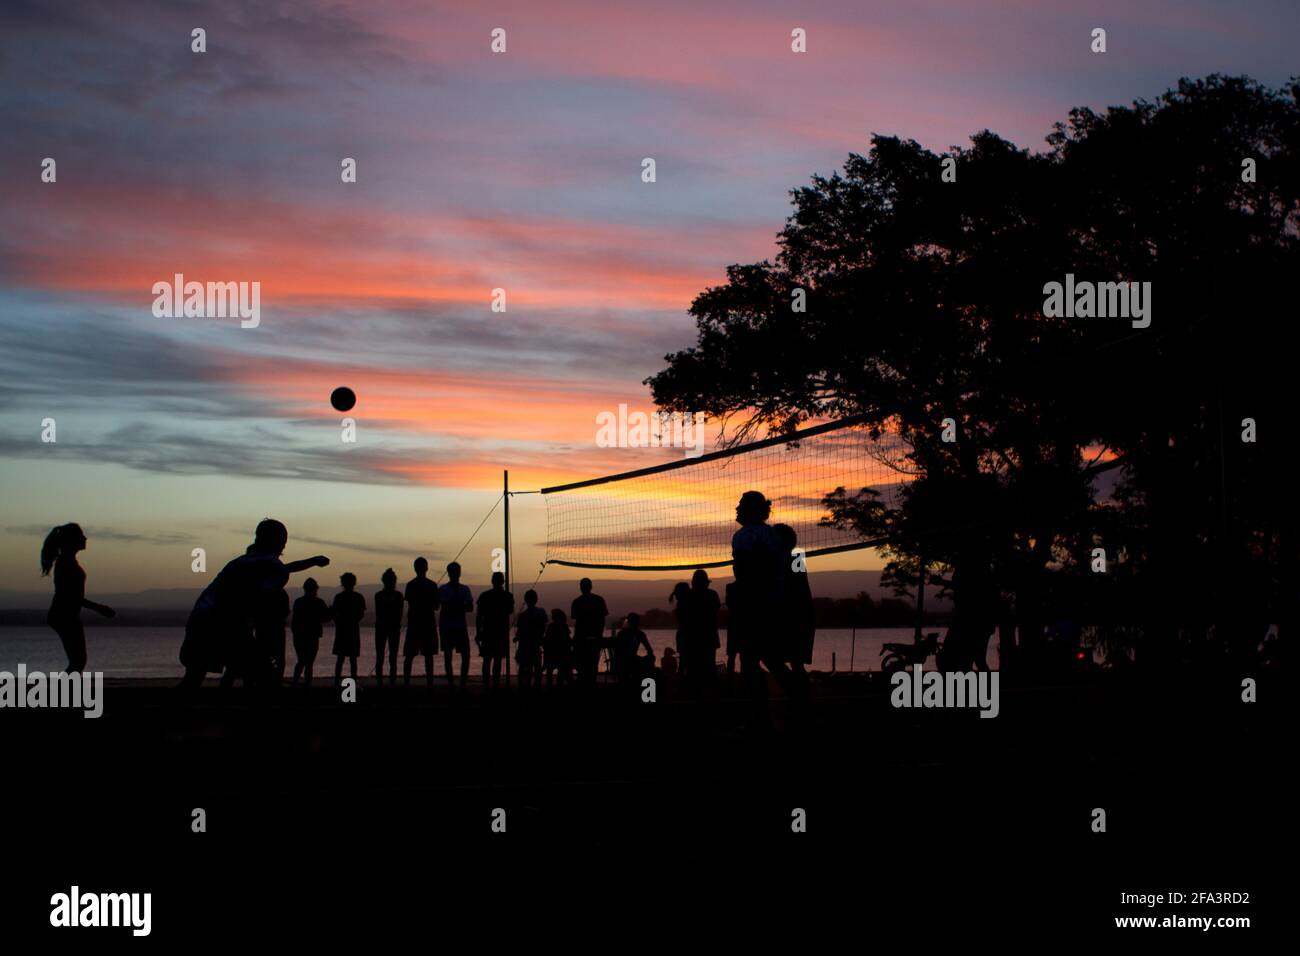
[702, 605]
[529, 633]
[492, 627]
[421, 622]
[800, 629]
[348, 609]
[759, 567]
[219, 631]
[60, 553]
[309, 616]
[268, 630]
[455, 602]
[588, 612]
[388, 626]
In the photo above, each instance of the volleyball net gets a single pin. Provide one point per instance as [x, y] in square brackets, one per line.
[681, 515]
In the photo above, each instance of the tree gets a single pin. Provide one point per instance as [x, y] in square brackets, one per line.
[924, 302]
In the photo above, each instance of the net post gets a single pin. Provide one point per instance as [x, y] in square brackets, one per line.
[505, 494]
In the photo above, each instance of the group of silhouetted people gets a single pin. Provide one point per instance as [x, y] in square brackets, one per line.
[238, 625]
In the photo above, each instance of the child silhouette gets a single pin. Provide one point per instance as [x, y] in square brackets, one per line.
[556, 650]
[529, 633]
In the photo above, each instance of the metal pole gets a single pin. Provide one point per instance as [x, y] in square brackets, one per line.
[505, 493]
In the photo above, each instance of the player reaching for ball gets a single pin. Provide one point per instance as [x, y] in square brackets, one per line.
[219, 633]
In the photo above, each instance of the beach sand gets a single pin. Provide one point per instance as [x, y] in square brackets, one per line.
[390, 801]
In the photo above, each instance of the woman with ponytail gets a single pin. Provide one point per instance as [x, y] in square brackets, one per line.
[59, 553]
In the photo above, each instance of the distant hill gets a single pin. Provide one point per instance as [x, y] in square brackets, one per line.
[169, 607]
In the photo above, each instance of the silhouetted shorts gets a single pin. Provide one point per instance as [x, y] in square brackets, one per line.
[455, 641]
[493, 643]
[347, 641]
[307, 647]
[422, 641]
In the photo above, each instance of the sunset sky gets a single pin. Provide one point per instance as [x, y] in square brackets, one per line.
[475, 171]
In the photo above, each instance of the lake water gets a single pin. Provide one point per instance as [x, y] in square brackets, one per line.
[152, 651]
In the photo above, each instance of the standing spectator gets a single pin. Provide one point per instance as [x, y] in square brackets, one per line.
[492, 628]
[388, 626]
[308, 624]
[347, 610]
[558, 657]
[421, 622]
[455, 601]
[588, 612]
[529, 634]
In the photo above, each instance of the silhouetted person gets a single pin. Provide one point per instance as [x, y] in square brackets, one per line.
[455, 602]
[308, 624]
[733, 629]
[759, 595]
[388, 626]
[975, 615]
[799, 624]
[588, 612]
[492, 627]
[558, 657]
[348, 609]
[629, 665]
[701, 606]
[668, 663]
[268, 632]
[677, 600]
[60, 554]
[421, 622]
[219, 632]
[530, 630]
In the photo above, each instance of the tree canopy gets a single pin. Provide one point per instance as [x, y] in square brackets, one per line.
[925, 302]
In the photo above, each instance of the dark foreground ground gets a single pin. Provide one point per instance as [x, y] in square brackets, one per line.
[660, 824]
